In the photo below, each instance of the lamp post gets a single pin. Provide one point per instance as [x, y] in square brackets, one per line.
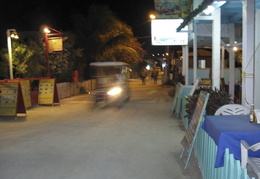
[11, 33]
[46, 31]
[152, 16]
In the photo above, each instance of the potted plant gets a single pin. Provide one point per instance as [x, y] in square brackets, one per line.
[216, 99]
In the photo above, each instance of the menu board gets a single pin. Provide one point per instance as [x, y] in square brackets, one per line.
[11, 100]
[47, 91]
[26, 91]
[196, 118]
[191, 133]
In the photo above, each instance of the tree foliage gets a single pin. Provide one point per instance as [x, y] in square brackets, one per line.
[63, 63]
[100, 36]
[28, 56]
[106, 38]
[216, 99]
[21, 54]
[4, 65]
[29, 59]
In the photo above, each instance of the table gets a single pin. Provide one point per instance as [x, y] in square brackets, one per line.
[228, 131]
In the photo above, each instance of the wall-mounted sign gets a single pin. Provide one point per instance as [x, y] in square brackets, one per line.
[55, 44]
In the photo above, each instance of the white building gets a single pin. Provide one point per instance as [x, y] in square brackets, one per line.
[221, 27]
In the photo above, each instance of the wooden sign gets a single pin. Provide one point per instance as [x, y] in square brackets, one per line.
[191, 133]
[26, 91]
[48, 93]
[55, 44]
[11, 99]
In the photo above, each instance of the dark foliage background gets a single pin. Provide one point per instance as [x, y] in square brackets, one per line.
[216, 99]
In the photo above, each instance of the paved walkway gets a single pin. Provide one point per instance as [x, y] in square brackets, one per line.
[72, 141]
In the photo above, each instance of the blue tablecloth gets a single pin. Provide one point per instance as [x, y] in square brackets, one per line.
[228, 131]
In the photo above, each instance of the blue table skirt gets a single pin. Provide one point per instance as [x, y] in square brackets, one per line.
[228, 131]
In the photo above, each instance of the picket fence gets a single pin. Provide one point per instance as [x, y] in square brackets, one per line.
[205, 152]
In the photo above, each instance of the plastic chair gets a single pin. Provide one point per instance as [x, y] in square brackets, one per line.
[253, 162]
[232, 109]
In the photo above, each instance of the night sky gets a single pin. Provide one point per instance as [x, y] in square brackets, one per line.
[29, 15]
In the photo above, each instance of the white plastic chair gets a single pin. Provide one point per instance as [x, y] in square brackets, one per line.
[253, 162]
[232, 109]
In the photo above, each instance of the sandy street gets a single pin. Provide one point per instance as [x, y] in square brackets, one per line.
[72, 141]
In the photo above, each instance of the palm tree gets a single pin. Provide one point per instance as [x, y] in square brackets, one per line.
[107, 38]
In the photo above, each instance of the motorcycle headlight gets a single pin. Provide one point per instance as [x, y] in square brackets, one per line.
[114, 91]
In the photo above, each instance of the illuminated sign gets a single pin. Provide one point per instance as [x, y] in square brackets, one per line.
[164, 32]
[55, 44]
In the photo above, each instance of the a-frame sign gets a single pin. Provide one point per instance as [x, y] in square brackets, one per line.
[11, 99]
[48, 93]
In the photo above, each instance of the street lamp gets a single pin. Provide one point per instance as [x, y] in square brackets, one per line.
[46, 31]
[235, 49]
[11, 33]
[152, 16]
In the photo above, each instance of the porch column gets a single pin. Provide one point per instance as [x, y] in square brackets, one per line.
[231, 61]
[257, 60]
[185, 65]
[195, 56]
[248, 52]
[216, 35]
[222, 61]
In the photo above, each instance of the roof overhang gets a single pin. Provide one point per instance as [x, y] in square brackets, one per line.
[231, 12]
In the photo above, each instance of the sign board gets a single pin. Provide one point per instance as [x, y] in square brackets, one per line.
[48, 93]
[26, 91]
[191, 133]
[11, 99]
[55, 44]
[163, 32]
[173, 8]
